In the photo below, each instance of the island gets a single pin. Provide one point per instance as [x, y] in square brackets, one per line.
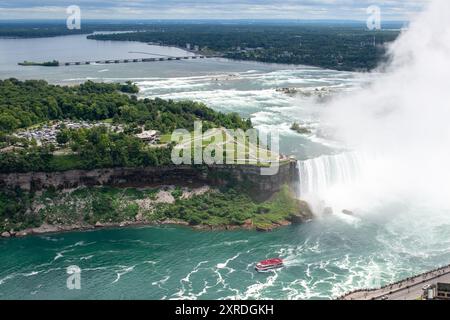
[300, 129]
[94, 155]
[53, 63]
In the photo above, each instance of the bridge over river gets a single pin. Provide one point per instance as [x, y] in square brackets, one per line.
[132, 60]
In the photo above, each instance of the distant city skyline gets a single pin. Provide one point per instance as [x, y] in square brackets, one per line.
[211, 9]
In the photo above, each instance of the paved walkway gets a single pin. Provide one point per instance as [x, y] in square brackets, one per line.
[408, 289]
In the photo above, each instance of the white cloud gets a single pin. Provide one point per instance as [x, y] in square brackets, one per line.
[213, 9]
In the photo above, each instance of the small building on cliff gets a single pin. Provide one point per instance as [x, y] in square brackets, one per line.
[149, 136]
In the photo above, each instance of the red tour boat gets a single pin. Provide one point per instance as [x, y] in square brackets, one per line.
[269, 264]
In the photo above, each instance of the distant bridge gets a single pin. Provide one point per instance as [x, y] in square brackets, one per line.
[132, 60]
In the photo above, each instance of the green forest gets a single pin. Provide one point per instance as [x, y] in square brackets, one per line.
[27, 103]
[24, 103]
[338, 47]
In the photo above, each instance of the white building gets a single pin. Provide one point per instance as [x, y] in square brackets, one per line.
[149, 136]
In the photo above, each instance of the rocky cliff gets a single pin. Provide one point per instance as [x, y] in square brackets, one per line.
[219, 175]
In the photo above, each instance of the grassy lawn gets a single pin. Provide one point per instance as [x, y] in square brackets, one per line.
[236, 150]
[108, 121]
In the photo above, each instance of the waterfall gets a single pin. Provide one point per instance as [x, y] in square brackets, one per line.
[319, 175]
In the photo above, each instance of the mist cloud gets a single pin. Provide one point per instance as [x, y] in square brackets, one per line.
[401, 122]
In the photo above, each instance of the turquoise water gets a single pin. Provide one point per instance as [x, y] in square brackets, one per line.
[324, 259]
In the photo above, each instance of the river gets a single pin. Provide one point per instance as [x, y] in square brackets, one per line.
[383, 242]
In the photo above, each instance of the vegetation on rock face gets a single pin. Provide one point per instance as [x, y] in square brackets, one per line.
[233, 207]
[14, 205]
[102, 205]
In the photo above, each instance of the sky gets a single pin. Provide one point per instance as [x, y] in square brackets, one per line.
[211, 9]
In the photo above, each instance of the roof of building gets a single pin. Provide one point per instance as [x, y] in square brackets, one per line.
[147, 134]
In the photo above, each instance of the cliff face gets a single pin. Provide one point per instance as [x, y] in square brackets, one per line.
[218, 175]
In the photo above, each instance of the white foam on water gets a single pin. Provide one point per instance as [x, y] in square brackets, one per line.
[161, 281]
[124, 270]
[58, 256]
[256, 291]
[8, 277]
[185, 292]
[48, 238]
[230, 243]
[225, 264]
[95, 269]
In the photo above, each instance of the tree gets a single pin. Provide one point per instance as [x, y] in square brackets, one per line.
[8, 122]
[63, 136]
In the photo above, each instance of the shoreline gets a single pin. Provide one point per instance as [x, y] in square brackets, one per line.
[46, 229]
